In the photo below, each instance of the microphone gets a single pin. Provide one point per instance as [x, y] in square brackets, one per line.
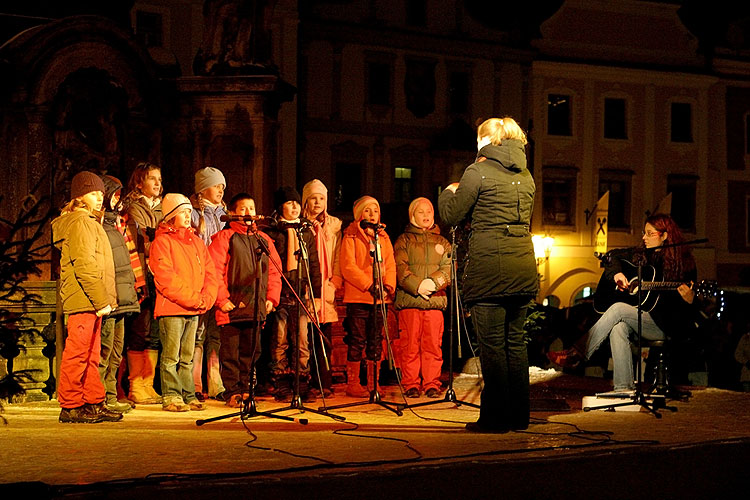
[370, 225]
[230, 218]
[303, 223]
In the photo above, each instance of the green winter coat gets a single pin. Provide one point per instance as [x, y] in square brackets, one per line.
[87, 270]
[421, 254]
[496, 193]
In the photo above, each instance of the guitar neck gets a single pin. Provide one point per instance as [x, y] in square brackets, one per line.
[661, 285]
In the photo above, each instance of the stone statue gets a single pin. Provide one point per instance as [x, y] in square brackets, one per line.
[235, 39]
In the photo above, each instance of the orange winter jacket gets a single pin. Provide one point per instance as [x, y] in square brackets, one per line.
[356, 265]
[185, 276]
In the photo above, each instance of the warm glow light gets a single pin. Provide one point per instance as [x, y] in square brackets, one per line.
[542, 246]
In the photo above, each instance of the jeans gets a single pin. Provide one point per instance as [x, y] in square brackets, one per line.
[178, 343]
[504, 361]
[618, 323]
[283, 345]
[208, 345]
[113, 340]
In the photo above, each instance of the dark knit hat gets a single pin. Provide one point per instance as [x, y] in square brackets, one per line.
[111, 186]
[84, 183]
[284, 194]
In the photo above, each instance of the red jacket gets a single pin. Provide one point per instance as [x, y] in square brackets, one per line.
[221, 249]
[356, 264]
[183, 272]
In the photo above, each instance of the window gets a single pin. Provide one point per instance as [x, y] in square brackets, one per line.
[681, 119]
[615, 119]
[683, 189]
[149, 29]
[416, 13]
[559, 195]
[559, 115]
[379, 83]
[348, 185]
[618, 183]
[402, 185]
[458, 92]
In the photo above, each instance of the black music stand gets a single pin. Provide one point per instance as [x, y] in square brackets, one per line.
[302, 257]
[454, 316]
[249, 408]
[375, 397]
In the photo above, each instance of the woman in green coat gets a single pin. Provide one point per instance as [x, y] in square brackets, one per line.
[496, 193]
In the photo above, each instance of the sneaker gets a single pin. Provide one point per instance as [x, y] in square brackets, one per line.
[412, 393]
[80, 415]
[105, 414]
[200, 396]
[176, 407]
[196, 405]
[222, 396]
[432, 393]
[118, 407]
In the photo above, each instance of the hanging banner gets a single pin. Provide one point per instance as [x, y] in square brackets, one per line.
[599, 226]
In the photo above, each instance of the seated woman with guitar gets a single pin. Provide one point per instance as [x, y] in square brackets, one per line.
[666, 300]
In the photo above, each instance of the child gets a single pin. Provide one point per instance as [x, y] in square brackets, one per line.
[87, 290]
[234, 251]
[113, 327]
[143, 207]
[288, 317]
[186, 283]
[208, 207]
[423, 271]
[327, 230]
[364, 325]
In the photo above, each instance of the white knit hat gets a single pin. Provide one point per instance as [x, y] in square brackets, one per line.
[172, 202]
[208, 177]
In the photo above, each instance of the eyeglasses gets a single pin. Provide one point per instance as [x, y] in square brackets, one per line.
[651, 234]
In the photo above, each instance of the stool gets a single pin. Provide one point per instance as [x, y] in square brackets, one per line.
[658, 349]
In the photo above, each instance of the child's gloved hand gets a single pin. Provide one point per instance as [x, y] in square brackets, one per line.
[426, 288]
[269, 307]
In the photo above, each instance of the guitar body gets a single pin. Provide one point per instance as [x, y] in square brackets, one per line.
[607, 292]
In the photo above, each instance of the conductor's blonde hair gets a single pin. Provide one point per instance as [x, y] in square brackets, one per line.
[498, 129]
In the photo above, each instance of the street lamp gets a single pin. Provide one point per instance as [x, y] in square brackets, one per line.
[542, 247]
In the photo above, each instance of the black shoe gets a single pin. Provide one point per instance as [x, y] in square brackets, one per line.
[283, 393]
[200, 397]
[105, 414]
[220, 396]
[476, 427]
[117, 407]
[432, 393]
[412, 393]
[80, 415]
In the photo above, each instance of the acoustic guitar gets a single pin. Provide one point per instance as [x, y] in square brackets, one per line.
[607, 292]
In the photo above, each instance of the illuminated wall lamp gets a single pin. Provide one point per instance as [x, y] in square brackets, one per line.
[542, 247]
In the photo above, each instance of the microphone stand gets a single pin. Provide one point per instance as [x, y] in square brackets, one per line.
[455, 315]
[302, 257]
[249, 408]
[639, 397]
[375, 397]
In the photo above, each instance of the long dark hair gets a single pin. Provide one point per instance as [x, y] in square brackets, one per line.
[677, 260]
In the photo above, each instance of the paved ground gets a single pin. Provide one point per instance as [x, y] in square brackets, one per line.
[701, 448]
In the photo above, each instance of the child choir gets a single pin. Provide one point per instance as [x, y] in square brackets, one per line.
[171, 285]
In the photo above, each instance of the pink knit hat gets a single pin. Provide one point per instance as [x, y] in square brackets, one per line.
[413, 207]
[361, 204]
[315, 186]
